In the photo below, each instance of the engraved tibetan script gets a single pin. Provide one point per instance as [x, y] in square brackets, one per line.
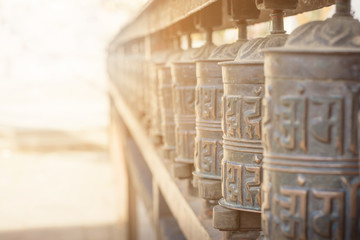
[243, 184]
[210, 154]
[328, 222]
[242, 117]
[293, 213]
[293, 120]
[233, 182]
[306, 123]
[328, 121]
[208, 101]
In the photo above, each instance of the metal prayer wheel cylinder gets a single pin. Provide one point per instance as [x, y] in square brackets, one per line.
[208, 141]
[184, 82]
[157, 63]
[241, 124]
[311, 184]
[243, 91]
[167, 112]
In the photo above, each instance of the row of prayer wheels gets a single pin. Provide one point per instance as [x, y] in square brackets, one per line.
[266, 130]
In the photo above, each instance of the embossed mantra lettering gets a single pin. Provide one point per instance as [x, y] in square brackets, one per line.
[312, 210]
[208, 103]
[211, 152]
[238, 124]
[239, 177]
[324, 219]
[296, 120]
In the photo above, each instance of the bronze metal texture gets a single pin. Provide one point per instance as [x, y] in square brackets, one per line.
[166, 106]
[311, 184]
[208, 142]
[184, 83]
[241, 124]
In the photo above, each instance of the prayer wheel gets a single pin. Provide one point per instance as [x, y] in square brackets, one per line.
[158, 61]
[208, 142]
[241, 176]
[166, 106]
[184, 83]
[312, 185]
[243, 93]
[209, 93]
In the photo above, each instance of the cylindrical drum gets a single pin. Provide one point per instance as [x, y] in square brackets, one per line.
[311, 183]
[184, 83]
[167, 107]
[155, 103]
[167, 112]
[208, 141]
[241, 124]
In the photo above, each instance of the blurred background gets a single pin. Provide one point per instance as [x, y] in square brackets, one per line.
[56, 180]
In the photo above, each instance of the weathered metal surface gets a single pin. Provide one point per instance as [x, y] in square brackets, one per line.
[167, 107]
[241, 141]
[243, 93]
[184, 82]
[157, 62]
[209, 92]
[208, 143]
[311, 185]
